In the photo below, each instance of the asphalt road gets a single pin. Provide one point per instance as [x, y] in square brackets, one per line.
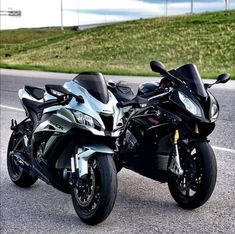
[142, 205]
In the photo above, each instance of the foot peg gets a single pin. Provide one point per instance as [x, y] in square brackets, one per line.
[13, 124]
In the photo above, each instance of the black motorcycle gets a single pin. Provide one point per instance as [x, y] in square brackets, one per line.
[166, 130]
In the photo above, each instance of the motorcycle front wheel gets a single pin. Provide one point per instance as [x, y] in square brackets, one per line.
[195, 186]
[94, 197]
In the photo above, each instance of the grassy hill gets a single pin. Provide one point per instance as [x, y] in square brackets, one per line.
[208, 40]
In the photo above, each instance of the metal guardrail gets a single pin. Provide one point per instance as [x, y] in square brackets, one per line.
[11, 13]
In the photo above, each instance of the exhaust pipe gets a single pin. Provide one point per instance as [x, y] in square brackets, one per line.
[28, 167]
[34, 169]
[20, 159]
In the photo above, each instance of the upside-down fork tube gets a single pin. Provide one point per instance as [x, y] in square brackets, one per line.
[196, 129]
[175, 166]
[79, 163]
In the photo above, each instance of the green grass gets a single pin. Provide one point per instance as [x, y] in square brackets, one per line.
[17, 41]
[208, 40]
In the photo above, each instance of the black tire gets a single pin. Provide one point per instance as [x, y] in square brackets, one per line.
[117, 163]
[16, 173]
[105, 189]
[118, 168]
[199, 178]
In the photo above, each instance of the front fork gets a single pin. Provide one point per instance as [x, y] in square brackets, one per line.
[79, 162]
[175, 166]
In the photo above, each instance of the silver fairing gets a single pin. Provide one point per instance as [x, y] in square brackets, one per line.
[63, 119]
[93, 108]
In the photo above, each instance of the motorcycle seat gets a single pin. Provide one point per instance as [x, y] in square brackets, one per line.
[121, 91]
[35, 92]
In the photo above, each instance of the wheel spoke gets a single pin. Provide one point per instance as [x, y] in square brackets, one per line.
[188, 183]
[188, 193]
[87, 194]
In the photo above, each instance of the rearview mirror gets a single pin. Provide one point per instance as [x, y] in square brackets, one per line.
[59, 91]
[158, 67]
[56, 90]
[223, 78]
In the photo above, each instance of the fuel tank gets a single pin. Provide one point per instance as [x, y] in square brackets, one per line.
[147, 87]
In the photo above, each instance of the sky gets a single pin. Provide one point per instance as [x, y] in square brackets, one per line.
[44, 13]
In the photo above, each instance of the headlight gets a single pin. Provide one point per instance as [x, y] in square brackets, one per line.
[191, 106]
[214, 111]
[214, 108]
[84, 119]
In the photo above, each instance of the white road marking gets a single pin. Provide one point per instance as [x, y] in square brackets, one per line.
[224, 149]
[11, 108]
[214, 147]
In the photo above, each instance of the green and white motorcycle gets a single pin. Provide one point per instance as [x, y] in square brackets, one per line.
[67, 140]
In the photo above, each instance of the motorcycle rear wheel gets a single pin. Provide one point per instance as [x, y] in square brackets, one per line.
[94, 198]
[16, 172]
[195, 186]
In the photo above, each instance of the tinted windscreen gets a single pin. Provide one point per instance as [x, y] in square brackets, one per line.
[191, 76]
[95, 84]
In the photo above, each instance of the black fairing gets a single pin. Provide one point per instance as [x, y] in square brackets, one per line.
[32, 109]
[205, 124]
[175, 100]
[191, 76]
[95, 84]
[149, 144]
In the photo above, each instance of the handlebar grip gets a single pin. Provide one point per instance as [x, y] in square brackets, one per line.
[125, 104]
[136, 102]
[128, 103]
[120, 104]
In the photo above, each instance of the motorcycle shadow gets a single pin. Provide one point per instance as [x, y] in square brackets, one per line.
[139, 194]
[48, 209]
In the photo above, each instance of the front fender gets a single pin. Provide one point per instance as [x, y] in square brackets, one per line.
[82, 156]
[85, 153]
[99, 148]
